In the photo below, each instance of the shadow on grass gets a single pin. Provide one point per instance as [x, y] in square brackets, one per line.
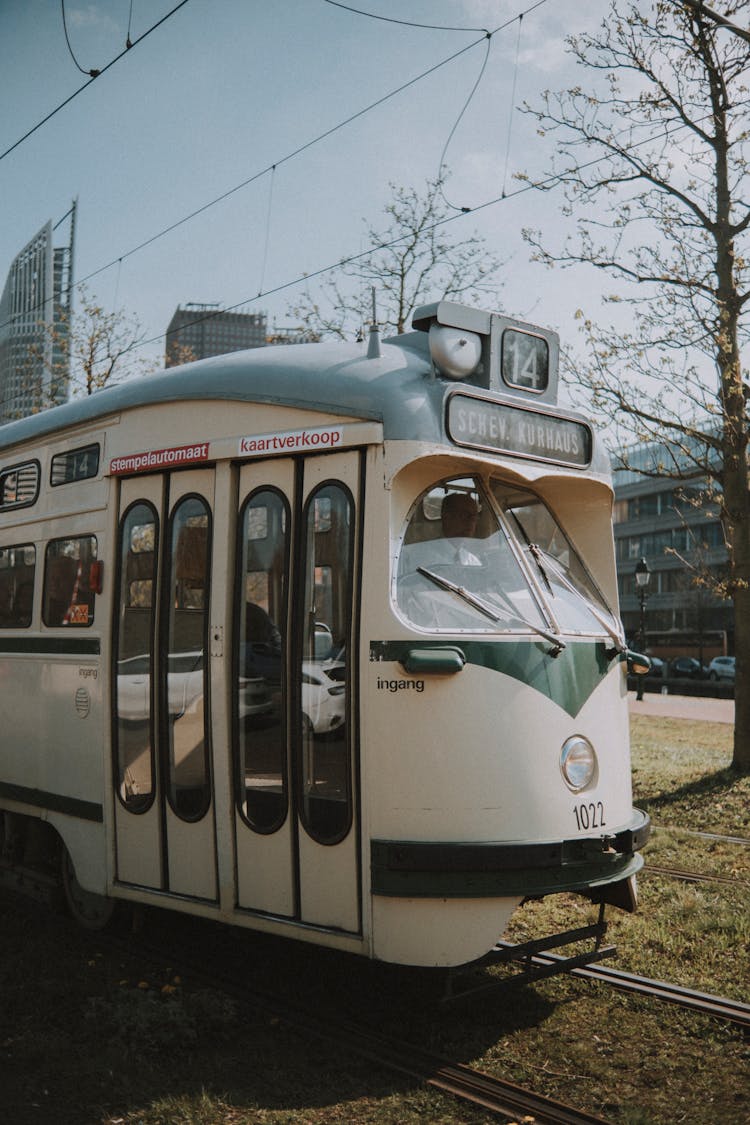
[88, 1035]
[710, 787]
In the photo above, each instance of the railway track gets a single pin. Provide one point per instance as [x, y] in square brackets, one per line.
[694, 876]
[734, 1011]
[484, 1091]
[742, 840]
[490, 1093]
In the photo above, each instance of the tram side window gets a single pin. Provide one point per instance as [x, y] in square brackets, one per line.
[324, 670]
[184, 700]
[68, 599]
[19, 486]
[17, 567]
[134, 744]
[260, 687]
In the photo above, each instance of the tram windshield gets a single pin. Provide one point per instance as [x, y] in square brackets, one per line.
[575, 600]
[494, 560]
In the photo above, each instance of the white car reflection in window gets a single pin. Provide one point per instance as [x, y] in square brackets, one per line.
[323, 695]
[323, 691]
[185, 688]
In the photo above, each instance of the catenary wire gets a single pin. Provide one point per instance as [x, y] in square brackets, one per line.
[546, 183]
[543, 184]
[511, 110]
[486, 36]
[93, 73]
[457, 122]
[282, 160]
[289, 156]
[285, 159]
[404, 23]
[86, 85]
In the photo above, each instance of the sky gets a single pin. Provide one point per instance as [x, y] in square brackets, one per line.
[225, 90]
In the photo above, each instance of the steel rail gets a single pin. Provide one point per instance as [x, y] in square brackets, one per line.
[743, 840]
[720, 1007]
[476, 1087]
[694, 876]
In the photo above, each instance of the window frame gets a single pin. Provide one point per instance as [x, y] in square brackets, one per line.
[60, 458]
[137, 807]
[46, 582]
[8, 471]
[240, 751]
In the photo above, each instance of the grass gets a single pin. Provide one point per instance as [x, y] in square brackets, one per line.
[90, 1038]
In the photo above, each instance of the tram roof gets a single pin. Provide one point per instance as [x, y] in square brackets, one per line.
[397, 388]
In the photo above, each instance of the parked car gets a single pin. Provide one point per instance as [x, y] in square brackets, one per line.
[657, 667]
[722, 668]
[687, 667]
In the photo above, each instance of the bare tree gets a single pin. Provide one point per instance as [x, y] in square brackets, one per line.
[654, 164]
[103, 344]
[413, 259]
[84, 350]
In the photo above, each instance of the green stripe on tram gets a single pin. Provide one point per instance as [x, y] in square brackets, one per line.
[568, 679]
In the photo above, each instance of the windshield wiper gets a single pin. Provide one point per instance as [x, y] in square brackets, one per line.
[488, 610]
[537, 553]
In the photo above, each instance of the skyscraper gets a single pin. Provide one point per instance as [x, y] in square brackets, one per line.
[35, 313]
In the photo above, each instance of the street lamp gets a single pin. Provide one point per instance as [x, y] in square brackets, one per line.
[642, 579]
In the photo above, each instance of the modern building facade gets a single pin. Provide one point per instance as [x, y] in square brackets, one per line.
[199, 330]
[670, 525]
[35, 312]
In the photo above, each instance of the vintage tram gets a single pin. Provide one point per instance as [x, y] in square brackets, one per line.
[320, 640]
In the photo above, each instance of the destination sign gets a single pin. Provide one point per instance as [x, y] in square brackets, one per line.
[481, 424]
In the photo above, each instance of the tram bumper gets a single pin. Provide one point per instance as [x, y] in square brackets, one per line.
[601, 868]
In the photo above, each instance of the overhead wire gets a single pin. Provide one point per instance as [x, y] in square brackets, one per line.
[285, 159]
[93, 73]
[512, 107]
[486, 36]
[473, 91]
[268, 230]
[86, 85]
[280, 161]
[457, 122]
[546, 184]
[404, 23]
[302, 148]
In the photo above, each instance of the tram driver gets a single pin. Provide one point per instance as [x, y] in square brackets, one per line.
[459, 514]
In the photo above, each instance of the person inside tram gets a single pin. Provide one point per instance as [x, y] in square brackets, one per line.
[458, 515]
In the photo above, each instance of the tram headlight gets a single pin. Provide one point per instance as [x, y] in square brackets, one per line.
[578, 762]
[455, 353]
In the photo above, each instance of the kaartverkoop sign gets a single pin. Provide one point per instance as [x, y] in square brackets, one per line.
[292, 441]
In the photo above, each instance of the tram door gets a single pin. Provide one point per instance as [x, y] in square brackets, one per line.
[165, 824]
[297, 811]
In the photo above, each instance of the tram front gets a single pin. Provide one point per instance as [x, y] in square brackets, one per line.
[500, 697]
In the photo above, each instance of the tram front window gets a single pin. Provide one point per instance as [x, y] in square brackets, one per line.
[460, 565]
[576, 602]
[457, 569]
